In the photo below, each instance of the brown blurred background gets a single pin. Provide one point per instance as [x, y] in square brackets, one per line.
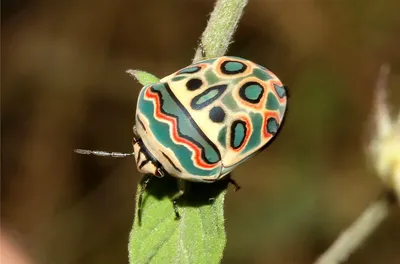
[64, 86]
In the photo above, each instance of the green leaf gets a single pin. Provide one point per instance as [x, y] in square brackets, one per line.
[144, 78]
[198, 237]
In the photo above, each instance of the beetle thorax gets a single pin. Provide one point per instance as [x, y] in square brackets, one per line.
[145, 162]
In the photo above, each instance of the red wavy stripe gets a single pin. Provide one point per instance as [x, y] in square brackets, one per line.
[176, 137]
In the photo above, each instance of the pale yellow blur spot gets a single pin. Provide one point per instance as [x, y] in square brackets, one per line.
[385, 145]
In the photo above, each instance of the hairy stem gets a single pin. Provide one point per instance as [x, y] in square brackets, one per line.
[220, 28]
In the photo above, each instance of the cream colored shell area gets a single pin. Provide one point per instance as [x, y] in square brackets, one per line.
[229, 156]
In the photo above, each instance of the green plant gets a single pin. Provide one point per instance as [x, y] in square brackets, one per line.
[199, 236]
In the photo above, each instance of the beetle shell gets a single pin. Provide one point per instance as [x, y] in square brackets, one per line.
[202, 121]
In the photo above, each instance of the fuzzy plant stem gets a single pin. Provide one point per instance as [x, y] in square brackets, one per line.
[220, 28]
[356, 235]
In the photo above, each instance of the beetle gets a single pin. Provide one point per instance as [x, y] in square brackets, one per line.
[200, 122]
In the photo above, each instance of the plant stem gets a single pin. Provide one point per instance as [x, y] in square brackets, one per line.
[220, 28]
[355, 235]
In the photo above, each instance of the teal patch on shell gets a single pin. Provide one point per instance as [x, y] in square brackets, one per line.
[208, 96]
[233, 66]
[178, 78]
[230, 103]
[255, 137]
[253, 91]
[211, 77]
[272, 102]
[238, 134]
[261, 74]
[222, 137]
[192, 69]
[272, 126]
[280, 90]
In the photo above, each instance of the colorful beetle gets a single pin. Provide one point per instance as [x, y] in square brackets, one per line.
[202, 121]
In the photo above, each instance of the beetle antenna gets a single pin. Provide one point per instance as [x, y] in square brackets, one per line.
[103, 153]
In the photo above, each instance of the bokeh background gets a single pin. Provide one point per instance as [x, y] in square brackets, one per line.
[64, 86]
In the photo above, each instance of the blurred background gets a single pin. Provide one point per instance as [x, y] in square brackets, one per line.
[64, 86]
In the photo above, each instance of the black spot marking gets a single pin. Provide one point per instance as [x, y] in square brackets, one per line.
[217, 114]
[194, 84]
[231, 67]
[208, 96]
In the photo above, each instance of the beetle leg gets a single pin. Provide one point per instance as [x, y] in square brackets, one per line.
[160, 172]
[145, 180]
[234, 183]
[182, 185]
